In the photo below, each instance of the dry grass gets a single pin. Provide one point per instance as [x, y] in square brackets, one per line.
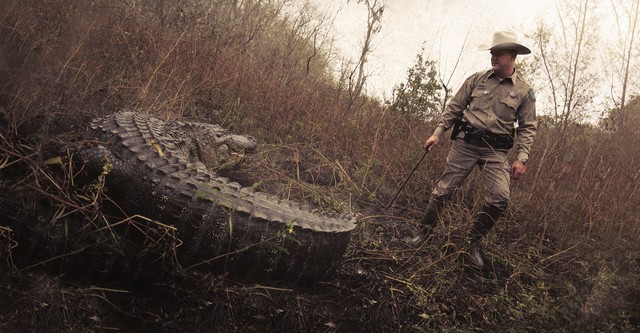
[573, 222]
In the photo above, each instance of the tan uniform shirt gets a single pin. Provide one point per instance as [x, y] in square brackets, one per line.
[495, 105]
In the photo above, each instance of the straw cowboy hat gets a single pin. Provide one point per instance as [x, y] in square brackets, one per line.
[506, 40]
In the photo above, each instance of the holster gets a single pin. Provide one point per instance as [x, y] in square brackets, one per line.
[455, 130]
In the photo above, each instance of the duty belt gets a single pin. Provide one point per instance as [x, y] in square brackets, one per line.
[481, 137]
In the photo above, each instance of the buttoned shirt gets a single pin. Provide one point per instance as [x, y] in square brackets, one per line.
[495, 105]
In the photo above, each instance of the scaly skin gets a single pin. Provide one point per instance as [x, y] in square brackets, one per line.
[156, 172]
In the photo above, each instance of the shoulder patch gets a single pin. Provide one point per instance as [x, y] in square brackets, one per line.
[532, 95]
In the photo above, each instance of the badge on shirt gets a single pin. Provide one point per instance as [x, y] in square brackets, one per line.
[512, 94]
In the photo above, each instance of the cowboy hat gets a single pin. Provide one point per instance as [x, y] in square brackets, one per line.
[506, 40]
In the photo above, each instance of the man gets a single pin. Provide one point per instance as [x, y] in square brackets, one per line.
[483, 114]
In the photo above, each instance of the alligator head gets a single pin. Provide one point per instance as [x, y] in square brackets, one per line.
[210, 144]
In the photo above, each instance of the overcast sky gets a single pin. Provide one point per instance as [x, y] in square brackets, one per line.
[447, 27]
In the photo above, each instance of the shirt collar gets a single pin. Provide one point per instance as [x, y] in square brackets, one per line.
[513, 76]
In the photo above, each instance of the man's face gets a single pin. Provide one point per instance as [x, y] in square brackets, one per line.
[502, 61]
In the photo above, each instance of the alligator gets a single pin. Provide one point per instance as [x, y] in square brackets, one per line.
[163, 170]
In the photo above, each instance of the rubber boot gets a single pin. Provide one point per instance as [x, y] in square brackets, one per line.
[484, 221]
[428, 222]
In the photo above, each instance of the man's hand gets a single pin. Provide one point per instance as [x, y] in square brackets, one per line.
[431, 142]
[518, 169]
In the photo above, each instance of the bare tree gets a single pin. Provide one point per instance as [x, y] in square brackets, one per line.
[375, 9]
[626, 14]
[566, 56]
[563, 59]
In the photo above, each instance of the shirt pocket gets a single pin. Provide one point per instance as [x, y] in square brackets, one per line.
[507, 108]
[480, 100]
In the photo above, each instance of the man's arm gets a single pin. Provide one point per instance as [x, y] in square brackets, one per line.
[527, 127]
[453, 111]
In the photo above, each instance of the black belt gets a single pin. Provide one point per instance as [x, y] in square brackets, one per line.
[481, 137]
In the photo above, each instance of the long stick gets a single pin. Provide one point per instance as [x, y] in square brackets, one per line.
[407, 179]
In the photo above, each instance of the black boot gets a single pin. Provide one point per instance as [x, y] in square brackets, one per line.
[484, 221]
[428, 222]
